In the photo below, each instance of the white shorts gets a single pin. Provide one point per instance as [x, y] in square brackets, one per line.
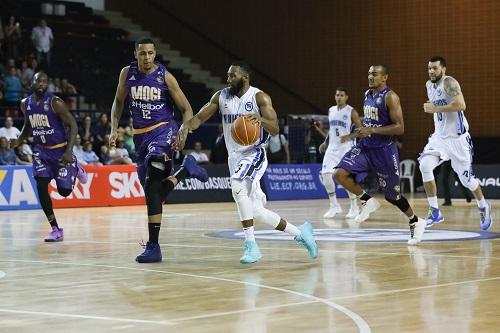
[332, 158]
[458, 150]
[250, 165]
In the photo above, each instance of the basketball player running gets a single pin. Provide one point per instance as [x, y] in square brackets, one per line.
[450, 141]
[147, 83]
[46, 117]
[342, 117]
[247, 164]
[376, 151]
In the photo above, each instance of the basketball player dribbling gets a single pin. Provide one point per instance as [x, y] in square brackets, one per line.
[342, 118]
[247, 164]
[376, 151]
[450, 141]
[46, 117]
[147, 83]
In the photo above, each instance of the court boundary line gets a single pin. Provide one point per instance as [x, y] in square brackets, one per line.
[357, 319]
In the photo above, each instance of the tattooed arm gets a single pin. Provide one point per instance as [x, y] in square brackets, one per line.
[452, 89]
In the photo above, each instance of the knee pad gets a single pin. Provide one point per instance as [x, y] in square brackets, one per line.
[64, 191]
[427, 164]
[401, 203]
[263, 215]
[328, 182]
[468, 180]
[241, 190]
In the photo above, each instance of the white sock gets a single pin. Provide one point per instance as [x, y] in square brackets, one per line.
[291, 229]
[481, 203]
[249, 234]
[333, 199]
[433, 201]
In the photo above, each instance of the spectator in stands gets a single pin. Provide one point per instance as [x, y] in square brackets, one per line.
[314, 137]
[218, 153]
[26, 75]
[86, 130]
[102, 127]
[9, 131]
[34, 65]
[24, 154]
[278, 149]
[13, 88]
[7, 155]
[67, 88]
[78, 149]
[12, 32]
[118, 155]
[43, 40]
[89, 156]
[128, 137]
[199, 156]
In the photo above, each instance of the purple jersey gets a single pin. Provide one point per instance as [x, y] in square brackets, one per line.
[149, 103]
[376, 114]
[48, 128]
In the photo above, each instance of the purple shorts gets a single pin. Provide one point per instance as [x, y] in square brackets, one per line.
[383, 161]
[157, 142]
[47, 164]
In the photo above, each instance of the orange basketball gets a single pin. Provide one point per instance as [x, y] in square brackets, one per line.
[244, 131]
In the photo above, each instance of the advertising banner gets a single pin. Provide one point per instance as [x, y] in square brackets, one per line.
[296, 182]
[488, 176]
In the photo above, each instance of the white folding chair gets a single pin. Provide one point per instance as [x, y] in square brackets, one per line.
[407, 171]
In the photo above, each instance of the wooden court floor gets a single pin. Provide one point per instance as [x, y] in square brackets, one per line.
[91, 283]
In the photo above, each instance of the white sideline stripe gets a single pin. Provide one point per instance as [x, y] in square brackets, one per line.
[358, 320]
[68, 315]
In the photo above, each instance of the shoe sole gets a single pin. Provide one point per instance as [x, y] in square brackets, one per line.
[430, 225]
[53, 240]
[147, 262]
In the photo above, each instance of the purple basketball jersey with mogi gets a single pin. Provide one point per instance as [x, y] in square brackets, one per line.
[149, 103]
[48, 129]
[376, 114]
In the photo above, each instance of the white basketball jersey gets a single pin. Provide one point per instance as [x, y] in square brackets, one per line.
[340, 125]
[446, 124]
[231, 107]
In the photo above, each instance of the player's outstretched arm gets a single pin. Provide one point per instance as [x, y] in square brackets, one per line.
[117, 108]
[268, 118]
[207, 111]
[69, 122]
[25, 131]
[179, 98]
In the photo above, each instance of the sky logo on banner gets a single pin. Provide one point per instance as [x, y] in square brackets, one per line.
[362, 235]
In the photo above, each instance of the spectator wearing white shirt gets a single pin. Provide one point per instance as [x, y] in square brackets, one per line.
[9, 131]
[78, 149]
[43, 40]
[199, 156]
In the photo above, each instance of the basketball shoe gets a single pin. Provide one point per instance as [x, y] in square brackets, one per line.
[332, 212]
[56, 235]
[81, 174]
[367, 208]
[353, 212]
[417, 230]
[306, 239]
[152, 253]
[193, 169]
[486, 219]
[251, 253]
[433, 216]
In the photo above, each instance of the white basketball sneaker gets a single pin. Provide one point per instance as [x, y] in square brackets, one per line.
[417, 231]
[353, 212]
[367, 208]
[332, 212]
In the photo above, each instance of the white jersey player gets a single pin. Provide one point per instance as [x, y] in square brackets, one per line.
[247, 164]
[450, 141]
[342, 118]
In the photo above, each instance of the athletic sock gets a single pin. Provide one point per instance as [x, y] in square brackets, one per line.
[433, 201]
[249, 233]
[154, 231]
